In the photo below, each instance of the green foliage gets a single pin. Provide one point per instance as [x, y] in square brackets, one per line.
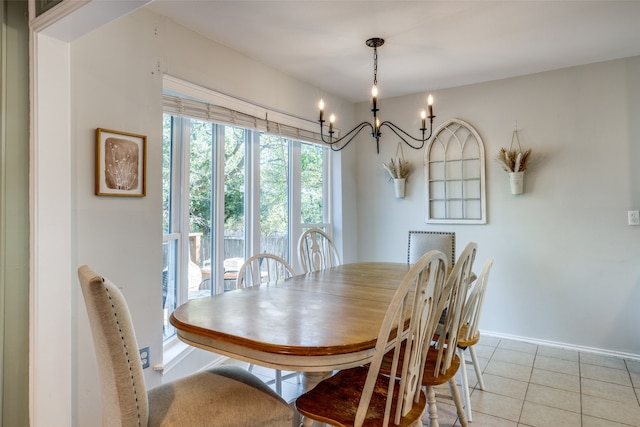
[166, 171]
[274, 191]
[200, 176]
[312, 184]
[234, 173]
[274, 179]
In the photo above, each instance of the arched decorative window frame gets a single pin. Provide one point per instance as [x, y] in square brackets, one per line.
[452, 128]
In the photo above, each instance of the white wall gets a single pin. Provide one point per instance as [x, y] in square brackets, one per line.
[51, 296]
[567, 265]
[116, 83]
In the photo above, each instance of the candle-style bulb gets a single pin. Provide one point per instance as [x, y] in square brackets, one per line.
[430, 103]
[374, 95]
[321, 107]
[332, 118]
[423, 116]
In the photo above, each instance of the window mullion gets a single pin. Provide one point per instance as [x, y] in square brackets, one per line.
[217, 221]
[252, 193]
[295, 202]
[326, 191]
[183, 162]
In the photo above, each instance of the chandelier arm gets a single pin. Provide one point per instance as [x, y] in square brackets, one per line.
[349, 136]
[397, 130]
[375, 125]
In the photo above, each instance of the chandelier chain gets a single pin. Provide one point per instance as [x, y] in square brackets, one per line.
[375, 66]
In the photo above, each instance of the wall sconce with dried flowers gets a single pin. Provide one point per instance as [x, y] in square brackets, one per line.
[399, 169]
[515, 161]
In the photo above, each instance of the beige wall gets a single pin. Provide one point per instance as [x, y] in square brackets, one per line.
[14, 214]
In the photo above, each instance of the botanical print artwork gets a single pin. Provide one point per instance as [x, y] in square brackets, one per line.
[121, 164]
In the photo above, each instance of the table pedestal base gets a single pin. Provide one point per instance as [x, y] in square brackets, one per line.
[309, 381]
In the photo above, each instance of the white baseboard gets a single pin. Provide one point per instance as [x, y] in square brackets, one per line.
[599, 351]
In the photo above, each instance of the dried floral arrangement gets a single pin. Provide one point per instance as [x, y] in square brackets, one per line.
[514, 160]
[398, 168]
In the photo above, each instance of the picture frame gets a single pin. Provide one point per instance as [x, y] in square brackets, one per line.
[121, 163]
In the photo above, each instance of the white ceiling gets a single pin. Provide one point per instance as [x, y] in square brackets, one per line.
[429, 44]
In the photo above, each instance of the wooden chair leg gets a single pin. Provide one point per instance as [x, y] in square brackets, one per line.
[476, 366]
[431, 404]
[455, 393]
[465, 385]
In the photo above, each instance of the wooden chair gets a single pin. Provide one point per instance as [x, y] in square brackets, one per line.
[259, 269]
[420, 242]
[317, 251]
[363, 395]
[223, 396]
[470, 334]
[442, 363]
[262, 268]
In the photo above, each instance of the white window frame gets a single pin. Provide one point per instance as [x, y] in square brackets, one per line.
[180, 208]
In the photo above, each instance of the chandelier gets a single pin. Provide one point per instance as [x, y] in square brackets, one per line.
[338, 144]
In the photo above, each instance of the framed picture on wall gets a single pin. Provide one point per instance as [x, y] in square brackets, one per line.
[121, 164]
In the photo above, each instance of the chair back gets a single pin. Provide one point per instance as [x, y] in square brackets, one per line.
[473, 306]
[419, 292]
[262, 268]
[421, 242]
[124, 394]
[453, 300]
[317, 251]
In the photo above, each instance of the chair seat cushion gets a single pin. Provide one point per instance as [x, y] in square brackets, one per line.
[222, 397]
[335, 400]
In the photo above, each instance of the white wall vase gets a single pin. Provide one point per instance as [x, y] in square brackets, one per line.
[516, 179]
[399, 186]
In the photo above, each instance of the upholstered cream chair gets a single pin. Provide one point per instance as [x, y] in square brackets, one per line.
[259, 269]
[420, 242]
[223, 396]
[317, 251]
[366, 396]
[470, 334]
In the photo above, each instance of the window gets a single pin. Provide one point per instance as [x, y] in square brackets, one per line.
[229, 192]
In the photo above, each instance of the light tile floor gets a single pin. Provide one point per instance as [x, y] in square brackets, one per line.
[530, 385]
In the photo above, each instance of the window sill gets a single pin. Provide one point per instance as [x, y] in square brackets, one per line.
[174, 352]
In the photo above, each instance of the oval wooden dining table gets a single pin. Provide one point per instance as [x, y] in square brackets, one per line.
[312, 323]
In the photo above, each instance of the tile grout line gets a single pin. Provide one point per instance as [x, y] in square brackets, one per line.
[526, 393]
[580, 388]
[635, 391]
